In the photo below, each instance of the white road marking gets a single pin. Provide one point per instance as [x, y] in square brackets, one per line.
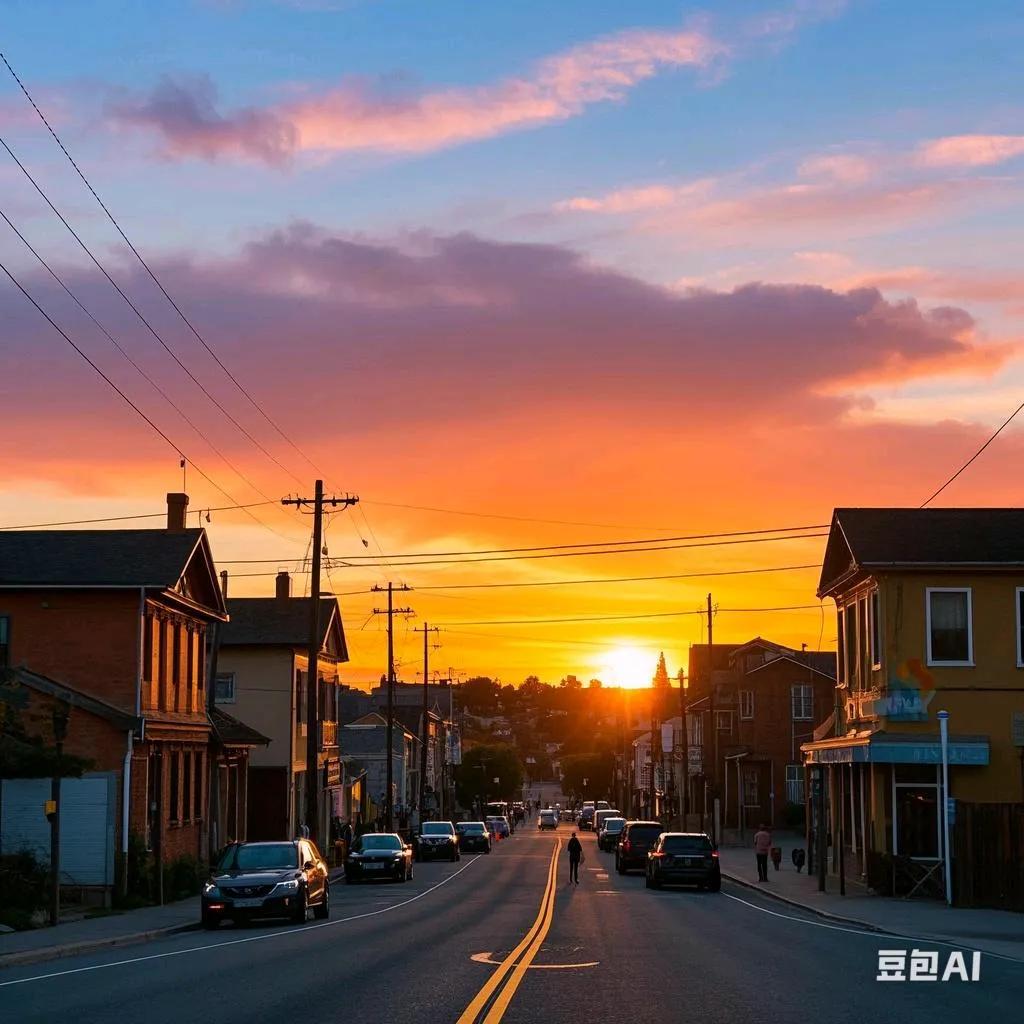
[286, 933]
[879, 936]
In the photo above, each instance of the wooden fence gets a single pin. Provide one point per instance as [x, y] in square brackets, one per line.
[988, 856]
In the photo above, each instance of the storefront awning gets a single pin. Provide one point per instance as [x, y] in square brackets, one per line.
[896, 748]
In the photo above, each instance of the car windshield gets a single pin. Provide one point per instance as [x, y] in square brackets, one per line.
[614, 824]
[260, 856]
[473, 828]
[386, 842]
[437, 828]
[687, 844]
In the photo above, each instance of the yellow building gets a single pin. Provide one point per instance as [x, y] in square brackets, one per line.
[930, 610]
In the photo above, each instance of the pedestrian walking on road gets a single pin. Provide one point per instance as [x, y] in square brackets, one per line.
[762, 847]
[575, 848]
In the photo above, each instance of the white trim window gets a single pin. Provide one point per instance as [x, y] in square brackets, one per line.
[1020, 627]
[803, 702]
[949, 626]
[225, 692]
[746, 705]
[794, 783]
[723, 721]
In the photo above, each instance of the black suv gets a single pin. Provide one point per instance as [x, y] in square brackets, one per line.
[637, 838]
[436, 839]
[283, 879]
[684, 858]
[473, 835]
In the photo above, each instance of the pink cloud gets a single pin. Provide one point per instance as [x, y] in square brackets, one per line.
[971, 150]
[358, 116]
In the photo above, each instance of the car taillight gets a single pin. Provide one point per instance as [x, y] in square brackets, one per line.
[625, 846]
[714, 853]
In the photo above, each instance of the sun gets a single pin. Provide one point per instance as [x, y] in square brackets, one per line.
[629, 667]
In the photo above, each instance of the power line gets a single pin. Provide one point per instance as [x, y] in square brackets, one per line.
[1009, 419]
[124, 397]
[617, 618]
[153, 276]
[138, 369]
[124, 519]
[152, 330]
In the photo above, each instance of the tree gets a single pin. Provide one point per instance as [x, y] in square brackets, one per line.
[661, 680]
[589, 774]
[479, 695]
[595, 684]
[474, 778]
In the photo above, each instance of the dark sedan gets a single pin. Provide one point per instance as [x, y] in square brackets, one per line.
[473, 835]
[638, 837]
[379, 855]
[437, 839]
[684, 858]
[267, 880]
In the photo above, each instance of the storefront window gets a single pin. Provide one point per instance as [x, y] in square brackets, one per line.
[917, 821]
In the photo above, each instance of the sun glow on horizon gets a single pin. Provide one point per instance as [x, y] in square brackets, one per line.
[629, 667]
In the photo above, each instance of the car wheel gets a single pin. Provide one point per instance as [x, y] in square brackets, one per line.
[210, 922]
[715, 886]
[647, 881]
[322, 911]
[299, 913]
[655, 882]
[619, 866]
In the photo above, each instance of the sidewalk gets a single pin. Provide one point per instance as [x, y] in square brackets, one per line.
[83, 936]
[992, 931]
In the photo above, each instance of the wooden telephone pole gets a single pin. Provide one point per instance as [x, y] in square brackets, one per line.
[425, 727]
[313, 655]
[391, 611]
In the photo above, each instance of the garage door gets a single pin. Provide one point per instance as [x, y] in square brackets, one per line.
[86, 827]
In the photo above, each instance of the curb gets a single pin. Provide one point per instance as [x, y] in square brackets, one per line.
[866, 925]
[33, 956]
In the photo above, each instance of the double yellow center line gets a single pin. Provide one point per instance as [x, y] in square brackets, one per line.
[510, 972]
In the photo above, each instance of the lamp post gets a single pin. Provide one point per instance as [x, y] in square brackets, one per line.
[943, 717]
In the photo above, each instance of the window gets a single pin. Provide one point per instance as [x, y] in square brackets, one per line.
[803, 702]
[841, 647]
[916, 828]
[794, 784]
[850, 633]
[876, 629]
[300, 698]
[176, 656]
[723, 721]
[746, 704]
[197, 799]
[186, 786]
[751, 785]
[190, 667]
[173, 810]
[225, 692]
[948, 613]
[147, 648]
[5, 632]
[1020, 630]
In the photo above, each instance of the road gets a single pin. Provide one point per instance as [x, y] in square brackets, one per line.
[488, 939]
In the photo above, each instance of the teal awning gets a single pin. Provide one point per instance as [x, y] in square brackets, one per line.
[889, 748]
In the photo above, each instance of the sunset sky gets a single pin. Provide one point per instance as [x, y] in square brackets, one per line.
[566, 272]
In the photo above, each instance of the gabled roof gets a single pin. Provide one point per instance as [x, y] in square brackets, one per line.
[176, 561]
[75, 697]
[964, 538]
[283, 622]
[233, 733]
[822, 663]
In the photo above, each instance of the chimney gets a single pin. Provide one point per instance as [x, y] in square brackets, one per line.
[177, 510]
[283, 586]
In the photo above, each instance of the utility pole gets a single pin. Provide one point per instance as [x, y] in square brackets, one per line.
[426, 631]
[711, 699]
[391, 611]
[684, 776]
[313, 655]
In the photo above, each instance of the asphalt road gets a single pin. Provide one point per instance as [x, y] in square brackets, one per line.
[490, 939]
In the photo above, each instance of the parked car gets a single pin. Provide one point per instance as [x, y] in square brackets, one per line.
[684, 858]
[602, 805]
[436, 839]
[547, 819]
[282, 879]
[567, 815]
[637, 838]
[498, 827]
[473, 835]
[605, 812]
[609, 833]
[379, 855]
[586, 819]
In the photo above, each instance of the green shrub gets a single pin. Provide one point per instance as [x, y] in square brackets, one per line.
[23, 889]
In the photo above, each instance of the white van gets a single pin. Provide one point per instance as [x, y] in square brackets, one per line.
[604, 812]
[547, 819]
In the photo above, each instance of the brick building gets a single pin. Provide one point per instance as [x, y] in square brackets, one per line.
[114, 624]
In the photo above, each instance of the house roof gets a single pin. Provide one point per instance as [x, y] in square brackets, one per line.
[75, 697]
[823, 663]
[155, 559]
[866, 538]
[233, 733]
[280, 622]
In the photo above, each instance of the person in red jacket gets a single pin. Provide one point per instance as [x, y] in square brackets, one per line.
[762, 847]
